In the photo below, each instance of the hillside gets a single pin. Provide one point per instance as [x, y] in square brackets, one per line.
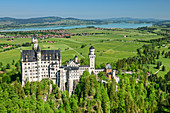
[10, 23]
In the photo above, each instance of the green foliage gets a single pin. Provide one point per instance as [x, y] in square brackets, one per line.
[146, 95]
[8, 66]
[102, 76]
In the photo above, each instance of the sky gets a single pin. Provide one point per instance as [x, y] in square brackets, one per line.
[86, 9]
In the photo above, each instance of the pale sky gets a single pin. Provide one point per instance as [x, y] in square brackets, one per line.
[86, 9]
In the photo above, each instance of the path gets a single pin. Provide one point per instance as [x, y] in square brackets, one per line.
[74, 50]
[158, 70]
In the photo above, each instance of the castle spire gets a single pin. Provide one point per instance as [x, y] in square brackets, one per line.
[35, 42]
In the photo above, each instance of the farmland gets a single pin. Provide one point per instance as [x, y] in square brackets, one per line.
[110, 45]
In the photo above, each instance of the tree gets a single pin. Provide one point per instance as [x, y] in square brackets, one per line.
[163, 68]
[8, 66]
[113, 96]
[163, 52]
[1, 64]
[13, 62]
[86, 86]
[158, 65]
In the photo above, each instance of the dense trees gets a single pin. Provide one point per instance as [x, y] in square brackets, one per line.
[133, 93]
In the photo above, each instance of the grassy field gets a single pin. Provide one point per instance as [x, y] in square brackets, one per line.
[109, 47]
[165, 62]
[9, 56]
[15, 41]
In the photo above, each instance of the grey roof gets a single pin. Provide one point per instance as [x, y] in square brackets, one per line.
[91, 47]
[50, 53]
[108, 66]
[100, 69]
[45, 54]
[71, 68]
[28, 54]
[70, 61]
[84, 65]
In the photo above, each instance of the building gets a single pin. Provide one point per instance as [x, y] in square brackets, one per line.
[40, 64]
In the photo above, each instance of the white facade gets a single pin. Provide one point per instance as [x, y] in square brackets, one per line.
[42, 64]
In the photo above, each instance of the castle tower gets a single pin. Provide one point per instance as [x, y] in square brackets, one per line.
[91, 59]
[35, 42]
[108, 70]
[39, 63]
[75, 59]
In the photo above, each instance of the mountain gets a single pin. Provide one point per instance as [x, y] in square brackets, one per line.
[133, 20]
[10, 23]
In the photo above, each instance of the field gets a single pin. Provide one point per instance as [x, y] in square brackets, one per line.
[165, 62]
[110, 45]
[15, 41]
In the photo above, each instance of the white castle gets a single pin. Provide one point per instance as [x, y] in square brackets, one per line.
[42, 64]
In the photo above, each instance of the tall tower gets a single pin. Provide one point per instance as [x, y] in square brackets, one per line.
[91, 59]
[38, 52]
[35, 42]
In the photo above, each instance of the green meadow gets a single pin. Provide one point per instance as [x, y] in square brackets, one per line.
[165, 62]
[15, 41]
[109, 46]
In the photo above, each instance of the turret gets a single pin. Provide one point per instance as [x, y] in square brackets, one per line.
[108, 70]
[21, 55]
[35, 42]
[75, 59]
[91, 49]
[91, 59]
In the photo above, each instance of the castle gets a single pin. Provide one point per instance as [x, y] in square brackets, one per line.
[40, 64]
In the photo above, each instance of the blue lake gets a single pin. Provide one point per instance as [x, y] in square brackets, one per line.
[113, 25]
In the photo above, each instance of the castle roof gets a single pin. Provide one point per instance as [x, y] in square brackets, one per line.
[31, 55]
[91, 47]
[84, 65]
[50, 53]
[108, 66]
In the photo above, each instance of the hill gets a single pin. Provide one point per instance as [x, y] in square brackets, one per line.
[10, 23]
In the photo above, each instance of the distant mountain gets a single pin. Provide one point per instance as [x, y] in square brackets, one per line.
[128, 19]
[10, 23]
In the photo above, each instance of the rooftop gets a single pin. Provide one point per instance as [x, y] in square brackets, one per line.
[91, 47]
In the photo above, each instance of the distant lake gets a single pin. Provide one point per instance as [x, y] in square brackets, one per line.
[113, 25]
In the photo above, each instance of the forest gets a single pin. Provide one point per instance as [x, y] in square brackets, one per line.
[135, 93]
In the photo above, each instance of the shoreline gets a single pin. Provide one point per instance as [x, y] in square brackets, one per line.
[109, 25]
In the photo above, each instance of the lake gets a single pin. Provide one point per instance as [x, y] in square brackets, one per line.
[113, 25]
